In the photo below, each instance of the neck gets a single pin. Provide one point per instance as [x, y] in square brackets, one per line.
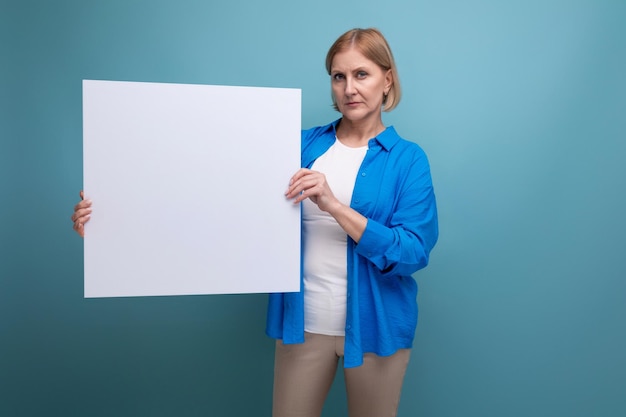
[356, 134]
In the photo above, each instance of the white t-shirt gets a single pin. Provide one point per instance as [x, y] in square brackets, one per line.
[325, 244]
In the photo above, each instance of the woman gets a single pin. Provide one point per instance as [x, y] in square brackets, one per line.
[369, 221]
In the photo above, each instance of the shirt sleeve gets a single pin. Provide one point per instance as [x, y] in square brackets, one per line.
[402, 245]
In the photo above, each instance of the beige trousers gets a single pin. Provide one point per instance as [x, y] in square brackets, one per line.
[303, 375]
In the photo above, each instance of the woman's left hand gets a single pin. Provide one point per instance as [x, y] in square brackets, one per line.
[310, 184]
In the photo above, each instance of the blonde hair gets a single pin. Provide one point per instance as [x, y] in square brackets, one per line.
[373, 45]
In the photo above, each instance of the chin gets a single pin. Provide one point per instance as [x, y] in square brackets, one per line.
[354, 116]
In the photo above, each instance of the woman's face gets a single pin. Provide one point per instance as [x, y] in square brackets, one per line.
[358, 85]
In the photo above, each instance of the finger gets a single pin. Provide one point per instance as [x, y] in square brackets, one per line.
[79, 228]
[81, 221]
[312, 191]
[82, 205]
[301, 197]
[297, 188]
[79, 214]
[299, 174]
[82, 194]
[303, 180]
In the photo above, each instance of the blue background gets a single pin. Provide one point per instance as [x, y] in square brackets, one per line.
[521, 107]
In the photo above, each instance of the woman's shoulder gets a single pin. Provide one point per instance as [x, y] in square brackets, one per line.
[400, 145]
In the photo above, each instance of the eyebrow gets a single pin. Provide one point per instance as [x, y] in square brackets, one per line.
[361, 68]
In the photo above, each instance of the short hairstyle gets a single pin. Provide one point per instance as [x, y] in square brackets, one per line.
[373, 45]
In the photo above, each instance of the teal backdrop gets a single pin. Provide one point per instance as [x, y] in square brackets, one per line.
[521, 107]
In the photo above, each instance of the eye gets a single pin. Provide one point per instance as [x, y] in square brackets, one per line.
[338, 76]
[361, 74]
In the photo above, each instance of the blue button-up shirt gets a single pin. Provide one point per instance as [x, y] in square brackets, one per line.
[393, 189]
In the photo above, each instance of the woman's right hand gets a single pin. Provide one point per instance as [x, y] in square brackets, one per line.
[82, 214]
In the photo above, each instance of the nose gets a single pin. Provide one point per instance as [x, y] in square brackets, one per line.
[350, 86]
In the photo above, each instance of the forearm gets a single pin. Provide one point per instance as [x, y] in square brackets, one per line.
[350, 220]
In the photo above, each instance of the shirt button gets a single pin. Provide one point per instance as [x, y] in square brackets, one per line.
[363, 174]
[348, 327]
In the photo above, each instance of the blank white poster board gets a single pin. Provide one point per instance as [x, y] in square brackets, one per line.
[187, 184]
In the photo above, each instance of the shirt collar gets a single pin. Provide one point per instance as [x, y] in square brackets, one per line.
[387, 138]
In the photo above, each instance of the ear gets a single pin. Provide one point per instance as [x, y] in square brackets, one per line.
[388, 81]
